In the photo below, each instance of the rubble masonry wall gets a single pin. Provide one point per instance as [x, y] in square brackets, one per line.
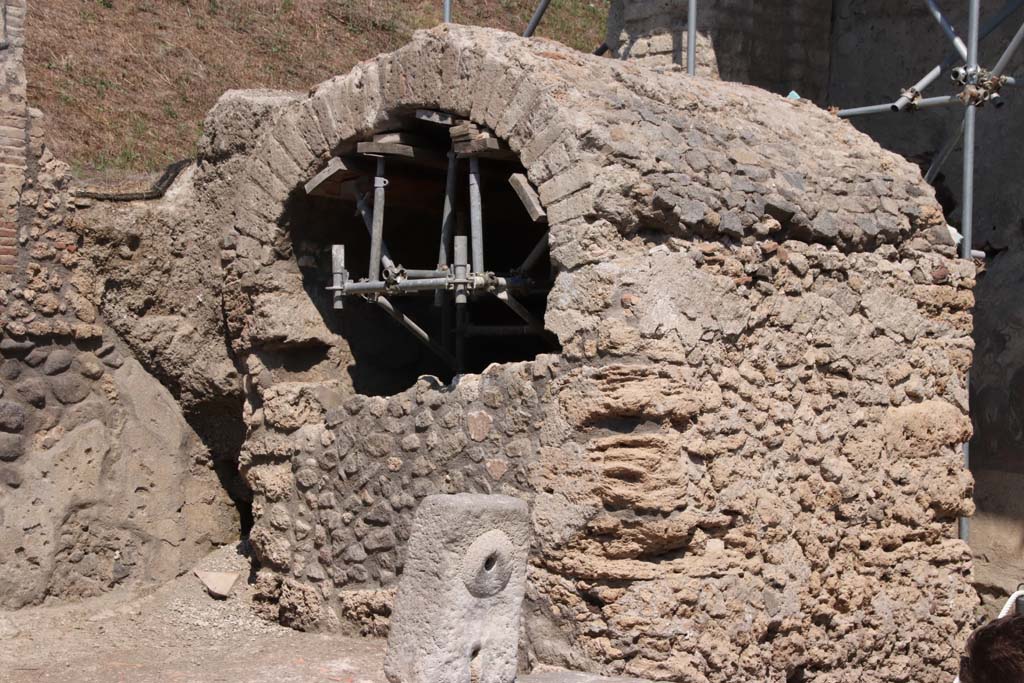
[102, 482]
[745, 462]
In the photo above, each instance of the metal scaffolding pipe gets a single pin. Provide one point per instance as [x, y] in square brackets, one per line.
[947, 28]
[476, 219]
[943, 155]
[861, 111]
[447, 219]
[364, 211]
[1011, 49]
[535, 254]
[973, 20]
[520, 310]
[691, 38]
[447, 11]
[991, 25]
[942, 101]
[377, 232]
[338, 275]
[537, 16]
[415, 273]
[967, 201]
[416, 330]
[461, 249]
[929, 78]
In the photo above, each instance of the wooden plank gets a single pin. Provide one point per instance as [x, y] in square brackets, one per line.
[464, 129]
[336, 172]
[528, 196]
[490, 148]
[417, 154]
[402, 137]
[441, 118]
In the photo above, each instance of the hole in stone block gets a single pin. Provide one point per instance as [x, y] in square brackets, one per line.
[475, 675]
[490, 562]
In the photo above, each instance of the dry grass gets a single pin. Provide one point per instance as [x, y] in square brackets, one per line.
[125, 85]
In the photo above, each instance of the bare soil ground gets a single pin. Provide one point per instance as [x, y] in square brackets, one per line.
[125, 85]
[179, 634]
[176, 633]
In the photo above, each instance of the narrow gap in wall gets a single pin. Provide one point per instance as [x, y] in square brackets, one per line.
[386, 357]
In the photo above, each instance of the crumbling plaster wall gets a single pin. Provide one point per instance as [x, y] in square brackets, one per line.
[745, 463]
[102, 483]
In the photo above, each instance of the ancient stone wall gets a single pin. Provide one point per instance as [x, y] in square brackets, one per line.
[745, 462]
[777, 46]
[906, 44]
[13, 131]
[850, 53]
[102, 483]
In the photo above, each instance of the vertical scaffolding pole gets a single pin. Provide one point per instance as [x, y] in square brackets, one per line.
[476, 219]
[967, 218]
[447, 11]
[377, 233]
[338, 275]
[461, 256]
[691, 38]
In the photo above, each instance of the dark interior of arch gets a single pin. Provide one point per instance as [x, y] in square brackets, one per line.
[388, 358]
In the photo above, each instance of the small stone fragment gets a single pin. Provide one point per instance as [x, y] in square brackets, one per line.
[70, 389]
[33, 391]
[36, 357]
[57, 362]
[12, 417]
[12, 447]
[479, 424]
[218, 584]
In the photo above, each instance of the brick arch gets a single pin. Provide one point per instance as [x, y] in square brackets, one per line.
[511, 91]
[615, 150]
[484, 76]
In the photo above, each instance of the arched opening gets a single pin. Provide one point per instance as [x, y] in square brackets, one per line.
[462, 270]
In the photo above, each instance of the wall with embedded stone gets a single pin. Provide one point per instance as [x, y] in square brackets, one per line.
[745, 462]
[102, 482]
[850, 53]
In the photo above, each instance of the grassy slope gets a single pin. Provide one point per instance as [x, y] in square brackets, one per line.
[125, 84]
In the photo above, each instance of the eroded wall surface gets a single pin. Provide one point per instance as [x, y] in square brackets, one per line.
[905, 42]
[851, 53]
[102, 482]
[745, 462]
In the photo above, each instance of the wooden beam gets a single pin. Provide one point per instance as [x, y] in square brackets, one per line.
[528, 196]
[334, 174]
[417, 154]
[402, 137]
[441, 118]
[489, 148]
